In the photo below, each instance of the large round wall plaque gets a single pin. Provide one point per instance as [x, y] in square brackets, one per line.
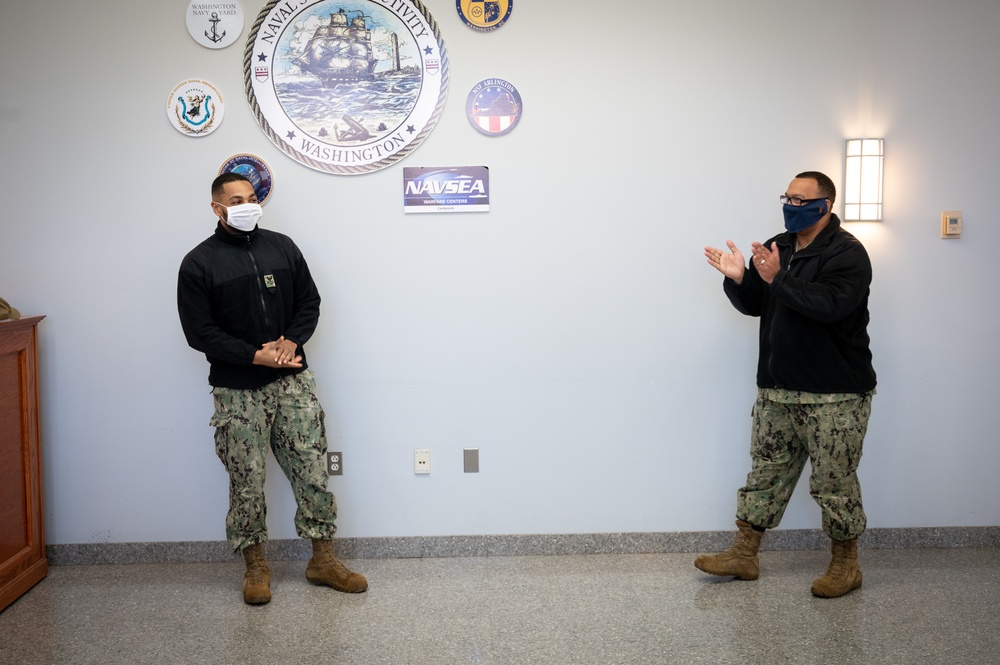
[345, 86]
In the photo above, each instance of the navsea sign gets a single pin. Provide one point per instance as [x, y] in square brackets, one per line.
[346, 86]
[446, 189]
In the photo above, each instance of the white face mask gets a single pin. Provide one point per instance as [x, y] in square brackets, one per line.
[243, 217]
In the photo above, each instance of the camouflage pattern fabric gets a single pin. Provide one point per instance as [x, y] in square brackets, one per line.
[799, 397]
[784, 436]
[286, 417]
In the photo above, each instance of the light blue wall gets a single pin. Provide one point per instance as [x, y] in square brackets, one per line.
[574, 334]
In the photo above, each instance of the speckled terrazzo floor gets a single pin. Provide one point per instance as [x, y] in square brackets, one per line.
[916, 606]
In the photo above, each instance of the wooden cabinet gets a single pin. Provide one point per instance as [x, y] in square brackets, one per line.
[22, 541]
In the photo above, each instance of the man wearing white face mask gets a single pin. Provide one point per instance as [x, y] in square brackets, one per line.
[247, 301]
[815, 380]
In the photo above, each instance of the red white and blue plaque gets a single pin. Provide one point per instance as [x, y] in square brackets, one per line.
[346, 86]
[484, 16]
[494, 107]
[446, 189]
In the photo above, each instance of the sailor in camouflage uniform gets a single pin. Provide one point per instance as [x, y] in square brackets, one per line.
[815, 380]
[248, 302]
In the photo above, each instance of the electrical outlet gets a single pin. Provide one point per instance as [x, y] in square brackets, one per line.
[422, 460]
[335, 463]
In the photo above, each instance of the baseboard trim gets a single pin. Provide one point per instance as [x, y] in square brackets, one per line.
[516, 545]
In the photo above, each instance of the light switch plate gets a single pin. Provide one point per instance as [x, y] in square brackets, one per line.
[471, 458]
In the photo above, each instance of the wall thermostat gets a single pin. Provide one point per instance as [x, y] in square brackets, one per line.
[951, 224]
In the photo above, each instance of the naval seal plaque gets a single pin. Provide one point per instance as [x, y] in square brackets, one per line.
[345, 86]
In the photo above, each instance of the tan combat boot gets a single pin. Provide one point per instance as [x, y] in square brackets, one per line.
[843, 575]
[740, 560]
[325, 568]
[257, 581]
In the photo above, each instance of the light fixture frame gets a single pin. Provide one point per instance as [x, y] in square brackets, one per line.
[864, 166]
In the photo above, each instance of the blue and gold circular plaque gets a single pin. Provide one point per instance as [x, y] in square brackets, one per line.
[484, 16]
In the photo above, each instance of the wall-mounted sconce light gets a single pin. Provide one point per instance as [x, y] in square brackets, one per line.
[863, 163]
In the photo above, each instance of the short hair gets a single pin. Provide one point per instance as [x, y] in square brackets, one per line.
[228, 176]
[826, 187]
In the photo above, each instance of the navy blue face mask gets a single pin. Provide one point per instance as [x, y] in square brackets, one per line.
[799, 218]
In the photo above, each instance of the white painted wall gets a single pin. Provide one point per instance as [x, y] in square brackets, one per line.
[574, 334]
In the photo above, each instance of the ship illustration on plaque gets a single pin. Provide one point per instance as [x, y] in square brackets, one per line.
[342, 51]
[346, 87]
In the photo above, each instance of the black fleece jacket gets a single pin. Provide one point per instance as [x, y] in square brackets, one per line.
[813, 315]
[237, 292]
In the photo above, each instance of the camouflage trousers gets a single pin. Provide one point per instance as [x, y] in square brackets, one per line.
[286, 417]
[784, 436]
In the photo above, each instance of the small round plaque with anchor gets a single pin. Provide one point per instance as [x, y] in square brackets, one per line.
[215, 23]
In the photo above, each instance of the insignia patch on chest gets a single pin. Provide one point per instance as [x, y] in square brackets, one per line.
[269, 281]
